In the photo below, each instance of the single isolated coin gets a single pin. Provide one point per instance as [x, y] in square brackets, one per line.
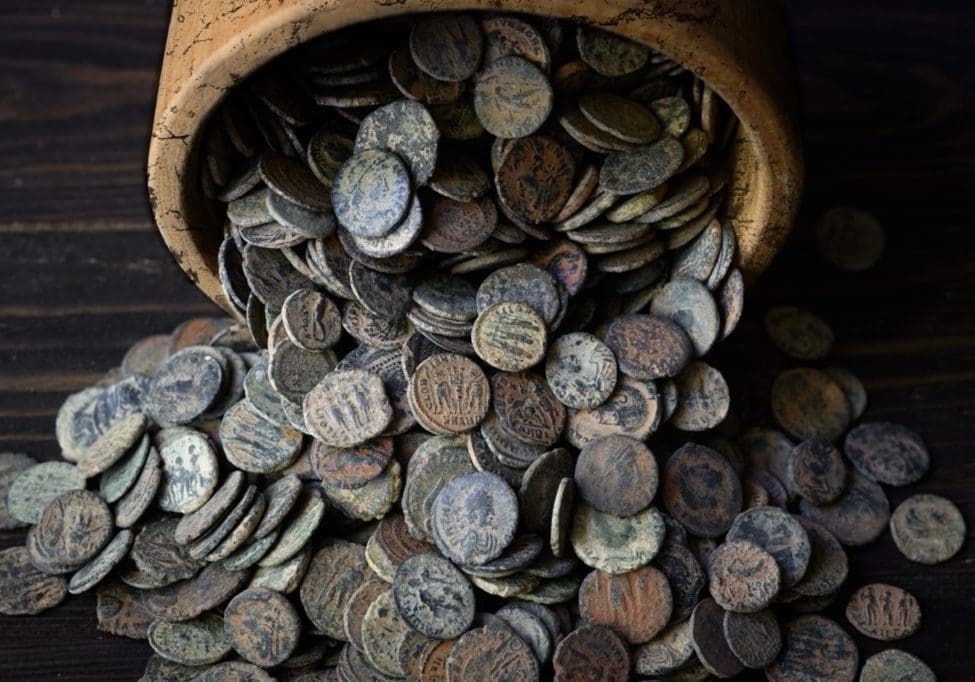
[798, 333]
[887, 453]
[850, 239]
[894, 665]
[927, 528]
[884, 612]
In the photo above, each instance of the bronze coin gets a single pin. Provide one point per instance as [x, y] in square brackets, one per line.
[521, 283]
[561, 524]
[72, 529]
[405, 128]
[492, 652]
[767, 450]
[146, 355]
[670, 651]
[262, 626]
[437, 461]
[527, 408]
[37, 485]
[608, 54]
[383, 631]
[530, 627]
[828, 564]
[457, 120]
[190, 598]
[742, 576]
[208, 545]
[433, 596]
[455, 226]
[648, 347]
[362, 596]
[347, 407]
[581, 370]
[281, 496]
[641, 169]
[754, 638]
[372, 330]
[858, 517]
[25, 589]
[887, 453]
[566, 262]
[798, 333]
[674, 113]
[143, 492]
[447, 296]
[689, 303]
[620, 116]
[447, 46]
[506, 35]
[460, 176]
[311, 320]
[850, 239]
[884, 612]
[633, 409]
[730, 298]
[814, 648]
[474, 518]
[591, 652]
[616, 475]
[186, 385]
[449, 394]
[808, 403]
[239, 671]
[157, 552]
[119, 613]
[684, 574]
[539, 484]
[196, 523]
[894, 665]
[509, 335]
[512, 97]
[351, 467]
[535, 178]
[855, 392]
[637, 604]
[484, 459]
[927, 529]
[779, 534]
[707, 636]
[371, 193]
[253, 444]
[613, 544]
[120, 438]
[701, 490]
[270, 276]
[335, 572]
[386, 295]
[416, 84]
[817, 471]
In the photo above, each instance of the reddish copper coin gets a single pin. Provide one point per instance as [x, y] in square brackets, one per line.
[262, 625]
[457, 226]
[814, 648]
[449, 394]
[707, 636]
[351, 467]
[591, 652]
[742, 576]
[527, 408]
[535, 178]
[616, 475]
[637, 605]
[701, 490]
[648, 346]
[491, 653]
[884, 612]
[566, 262]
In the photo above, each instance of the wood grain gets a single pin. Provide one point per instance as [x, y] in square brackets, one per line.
[888, 100]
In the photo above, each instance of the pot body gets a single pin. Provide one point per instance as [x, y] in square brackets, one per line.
[739, 47]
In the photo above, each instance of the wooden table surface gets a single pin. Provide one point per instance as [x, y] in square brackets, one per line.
[888, 101]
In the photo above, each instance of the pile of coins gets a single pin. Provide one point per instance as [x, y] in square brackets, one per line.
[464, 429]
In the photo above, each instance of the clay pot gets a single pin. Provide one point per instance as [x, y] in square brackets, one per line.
[740, 47]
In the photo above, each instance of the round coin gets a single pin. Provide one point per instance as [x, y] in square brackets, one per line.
[707, 636]
[37, 486]
[491, 653]
[592, 652]
[616, 545]
[311, 320]
[858, 517]
[581, 370]
[884, 612]
[186, 385]
[253, 444]
[197, 642]
[620, 116]
[27, 590]
[636, 604]
[927, 529]
[808, 404]
[817, 471]
[742, 576]
[527, 408]
[616, 475]
[371, 193]
[449, 394]
[608, 54]
[512, 97]
[262, 626]
[850, 239]
[814, 648]
[689, 303]
[643, 168]
[648, 347]
[509, 336]
[704, 398]
[754, 638]
[701, 490]
[535, 178]
[779, 534]
[190, 472]
[887, 453]
[347, 407]
[474, 518]
[72, 529]
[433, 597]
[405, 128]
[894, 665]
[447, 46]
[798, 333]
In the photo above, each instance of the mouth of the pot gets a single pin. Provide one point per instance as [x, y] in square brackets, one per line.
[762, 157]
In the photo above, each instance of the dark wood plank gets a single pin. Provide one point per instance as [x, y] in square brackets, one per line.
[888, 100]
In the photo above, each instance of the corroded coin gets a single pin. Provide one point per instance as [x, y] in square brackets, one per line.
[447, 46]
[581, 370]
[855, 392]
[142, 494]
[817, 471]
[371, 193]
[190, 598]
[491, 652]
[616, 545]
[927, 529]
[506, 34]
[118, 611]
[742, 576]
[636, 604]
[530, 626]
[434, 464]
[754, 638]
[311, 320]
[684, 573]
[616, 475]
[73, 528]
[200, 641]
[894, 665]
[814, 648]
[592, 652]
[146, 355]
[701, 490]
[239, 671]
[884, 612]
[253, 444]
[416, 84]
[620, 116]
[447, 296]
[474, 518]
[186, 385]
[195, 524]
[112, 445]
[509, 336]
[850, 239]
[668, 652]
[566, 262]
[12, 464]
[190, 472]
[372, 330]
[351, 467]
[562, 507]
[37, 486]
[828, 564]
[156, 552]
[347, 407]
[27, 590]
[689, 303]
[633, 409]
[704, 398]
[449, 394]
[303, 523]
[433, 596]
[405, 128]
[779, 534]
[707, 636]
[335, 572]
[527, 408]
[648, 346]
[209, 543]
[535, 177]
[512, 97]
[457, 226]
[523, 283]
[608, 54]
[262, 626]
[808, 403]
[539, 484]
[643, 168]
[383, 630]
[858, 517]
[386, 295]
[887, 453]
[121, 476]
[798, 333]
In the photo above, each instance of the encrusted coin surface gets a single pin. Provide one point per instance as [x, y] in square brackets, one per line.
[311, 320]
[201, 641]
[12, 464]
[809, 404]
[581, 370]
[37, 486]
[347, 407]
[186, 385]
[927, 529]
[828, 563]
[688, 303]
[27, 590]
[684, 573]
[884, 612]
[527, 408]
[491, 652]
[195, 524]
[383, 630]
[742, 576]
[534, 179]
[447, 46]
[633, 409]
[616, 475]
[610, 55]
[817, 471]
[642, 168]
[371, 193]
[592, 652]
[252, 443]
[667, 652]
[449, 394]
[621, 117]
[701, 490]
[814, 648]
[887, 453]
[190, 472]
[707, 636]
[112, 445]
[512, 97]
[433, 596]
[474, 518]
[636, 604]
[616, 545]
[335, 572]
[262, 626]
[509, 336]
[894, 665]
[704, 398]
[858, 517]
[405, 128]
[754, 638]
[778, 533]
[72, 529]
[648, 346]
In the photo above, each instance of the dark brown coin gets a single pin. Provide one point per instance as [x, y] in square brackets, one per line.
[754, 638]
[817, 471]
[648, 347]
[512, 97]
[581, 370]
[293, 181]
[535, 178]
[684, 574]
[850, 239]
[808, 404]
[474, 518]
[460, 176]
[190, 598]
[814, 648]
[119, 613]
[72, 529]
[454, 226]
[894, 665]
[620, 116]
[616, 475]
[858, 517]
[351, 467]
[707, 636]
[539, 485]
[363, 594]
[415, 84]
[186, 385]
[828, 565]
[262, 626]
[530, 626]
[798, 333]
[433, 596]
[510, 336]
[927, 529]
[146, 355]
[157, 552]
[641, 169]
[701, 490]
[668, 652]
[887, 453]
[372, 330]
[884, 612]
[25, 590]
[633, 410]
[566, 262]
[270, 276]
[371, 193]
[449, 394]
[335, 572]
[742, 576]
[521, 283]
[347, 407]
[637, 604]
[311, 320]
[608, 54]
[447, 47]
[592, 652]
[855, 392]
[447, 296]
[527, 408]
[386, 295]
[407, 129]
[779, 534]
[491, 652]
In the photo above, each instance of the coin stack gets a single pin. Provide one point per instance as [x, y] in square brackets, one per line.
[464, 429]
